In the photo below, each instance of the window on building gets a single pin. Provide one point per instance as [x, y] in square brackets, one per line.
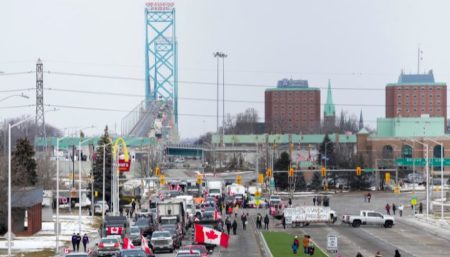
[407, 151]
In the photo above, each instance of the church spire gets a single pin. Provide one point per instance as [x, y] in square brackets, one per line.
[361, 121]
[329, 109]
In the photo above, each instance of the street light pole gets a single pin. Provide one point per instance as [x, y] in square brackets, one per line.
[427, 175]
[10, 230]
[442, 176]
[79, 183]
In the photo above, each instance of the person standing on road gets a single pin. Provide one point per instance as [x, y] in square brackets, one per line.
[400, 209]
[74, 241]
[283, 222]
[78, 242]
[394, 208]
[85, 241]
[311, 246]
[228, 224]
[369, 196]
[244, 221]
[359, 255]
[290, 202]
[397, 253]
[259, 221]
[388, 209]
[266, 222]
[314, 201]
[420, 207]
[378, 254]
[234, 225]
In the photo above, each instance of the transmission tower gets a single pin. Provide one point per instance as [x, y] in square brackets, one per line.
[161, 60]
[40, 119]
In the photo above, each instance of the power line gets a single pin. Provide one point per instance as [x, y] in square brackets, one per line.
[15, 73]
[17, 106]
[214, 100]
[187, 82]
[182, 114]
[16, 90]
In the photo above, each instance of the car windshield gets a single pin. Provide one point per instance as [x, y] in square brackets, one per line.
[135, 230]
[199, 248]
[142, 222]
[109, 240]
[169, 221]
[161, 234]
[133, 253]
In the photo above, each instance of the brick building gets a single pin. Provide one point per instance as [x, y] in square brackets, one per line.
[292, 107]
[416, 94]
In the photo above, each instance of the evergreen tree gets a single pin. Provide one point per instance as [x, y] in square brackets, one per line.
[316, 183]
[283, 162]
[300, 183]
[23, 164]
[329, 146]
[97, 166]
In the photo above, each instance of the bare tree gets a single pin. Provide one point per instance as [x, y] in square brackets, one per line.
[46, 171]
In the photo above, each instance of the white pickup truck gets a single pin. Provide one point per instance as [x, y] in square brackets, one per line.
[369, 218]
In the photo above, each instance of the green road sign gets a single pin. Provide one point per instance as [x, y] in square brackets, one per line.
[435, 162]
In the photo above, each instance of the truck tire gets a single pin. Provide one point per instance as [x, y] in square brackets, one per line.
[356, 223]
[388, 224]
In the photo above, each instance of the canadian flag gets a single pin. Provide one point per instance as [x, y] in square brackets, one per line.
[114, 230]
[127, 244]
[210, 236]
[145, 247]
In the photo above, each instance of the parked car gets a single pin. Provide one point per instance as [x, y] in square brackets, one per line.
[108, 246]
[100, 206]
[162, 240]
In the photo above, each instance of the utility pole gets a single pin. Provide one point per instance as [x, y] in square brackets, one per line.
[40, 119]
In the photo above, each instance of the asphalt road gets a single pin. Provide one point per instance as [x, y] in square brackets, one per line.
[412, 241]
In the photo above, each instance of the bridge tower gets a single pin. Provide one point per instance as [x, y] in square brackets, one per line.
[161, 59]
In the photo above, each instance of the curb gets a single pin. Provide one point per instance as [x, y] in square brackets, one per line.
[265, 247]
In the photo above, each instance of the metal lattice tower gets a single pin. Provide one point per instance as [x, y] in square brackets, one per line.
[161, 60]
[40, 119]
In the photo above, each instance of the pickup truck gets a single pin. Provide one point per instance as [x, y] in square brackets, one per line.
[369, 218]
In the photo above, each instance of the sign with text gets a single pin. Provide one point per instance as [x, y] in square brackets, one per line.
[332, 243]
[435, 162]
[124, 166]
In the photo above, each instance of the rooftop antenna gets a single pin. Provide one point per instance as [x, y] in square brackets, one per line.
[419, 59]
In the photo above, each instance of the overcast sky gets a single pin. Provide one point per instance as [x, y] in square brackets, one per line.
[356, 44]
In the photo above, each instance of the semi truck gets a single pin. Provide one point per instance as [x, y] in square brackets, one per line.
[172, 212]
[214, 188]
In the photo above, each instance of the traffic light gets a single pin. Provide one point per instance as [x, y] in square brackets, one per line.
[387, 177]
[96, 194]
[291, 172]
[269, 172]
[323, 171]
[162, 180]
[157, 171]
[358, 171]
[199, 179]
[260, 178]
[238, 179]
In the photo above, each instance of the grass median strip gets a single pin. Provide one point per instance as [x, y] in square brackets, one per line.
[280, 244]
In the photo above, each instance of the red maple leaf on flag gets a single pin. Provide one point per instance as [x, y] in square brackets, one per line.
[211, 235]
